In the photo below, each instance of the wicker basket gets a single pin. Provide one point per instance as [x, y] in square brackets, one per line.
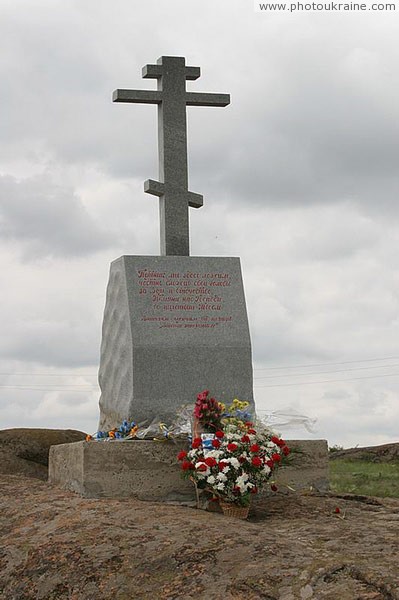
[232, 510]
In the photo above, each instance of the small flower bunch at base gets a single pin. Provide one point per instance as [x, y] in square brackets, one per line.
[237, 413]
[127, 430]
[240, 464]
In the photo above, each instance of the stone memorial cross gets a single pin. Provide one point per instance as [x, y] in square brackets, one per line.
[172, 98]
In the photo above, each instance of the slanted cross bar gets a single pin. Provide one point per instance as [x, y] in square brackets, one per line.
[172, 98]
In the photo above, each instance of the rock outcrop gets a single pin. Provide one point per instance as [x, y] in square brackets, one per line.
[383, 453]
[57, 545]
[25, 451]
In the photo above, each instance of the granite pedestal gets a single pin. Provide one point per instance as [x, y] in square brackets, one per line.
[173, 326]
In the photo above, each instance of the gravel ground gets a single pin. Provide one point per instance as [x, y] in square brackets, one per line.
[56, 545]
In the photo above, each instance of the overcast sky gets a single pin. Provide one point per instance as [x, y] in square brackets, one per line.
[299, 176]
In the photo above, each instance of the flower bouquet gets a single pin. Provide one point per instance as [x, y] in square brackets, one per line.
[207, 414]
[238, 464]
[237, 413]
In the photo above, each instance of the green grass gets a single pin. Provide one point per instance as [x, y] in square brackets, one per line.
[365, 478]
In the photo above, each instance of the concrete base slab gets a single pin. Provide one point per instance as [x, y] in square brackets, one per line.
[308, 467]
[149, 470]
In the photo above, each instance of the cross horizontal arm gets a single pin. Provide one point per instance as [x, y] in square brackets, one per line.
[204, 99]
[157, 188]
[139, 96]
[156, 71]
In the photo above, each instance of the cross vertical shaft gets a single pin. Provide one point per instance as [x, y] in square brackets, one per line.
[172, 151]
[172, 98]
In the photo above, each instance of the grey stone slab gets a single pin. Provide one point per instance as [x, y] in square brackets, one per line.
[149, 470]
[308, 468]
[173, 326]
[141, 469]
[172, 98]
[66, 466]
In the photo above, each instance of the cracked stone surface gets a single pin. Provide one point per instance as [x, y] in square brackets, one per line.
[56, 545]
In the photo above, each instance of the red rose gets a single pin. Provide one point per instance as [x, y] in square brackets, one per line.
[275, 439]
[187, 465]
[196, 443]
[256, 461]
[245, 439]
[248, 424]
[286, 450]
[281, 443]
[276, 457]
[202, 467]
[216, 443]
[241, 459]
[270, 463]
[255, 448]
[219, 434]
[252, 431]
[236, 490]
[210, 461]
[182, 454]
[203, 395]
[254, 490]
[231, 447]
[273, 487]
[222, 465]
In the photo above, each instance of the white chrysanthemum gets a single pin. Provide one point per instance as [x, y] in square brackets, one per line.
[213, 453]
[226, 469]
[211, 479]
[266, 469]
[221, 476]
[231, 437]
[220, 486]
[243, 487]
[272, 445]
[234, 462]
[242, 483]
[241, 479]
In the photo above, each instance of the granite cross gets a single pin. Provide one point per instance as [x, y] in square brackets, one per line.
[172, 187]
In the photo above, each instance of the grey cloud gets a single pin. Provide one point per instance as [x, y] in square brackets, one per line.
[48, 220]
[320, 133]
[72, 410]
[52, 343]
[311, 123]
[337, 234]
